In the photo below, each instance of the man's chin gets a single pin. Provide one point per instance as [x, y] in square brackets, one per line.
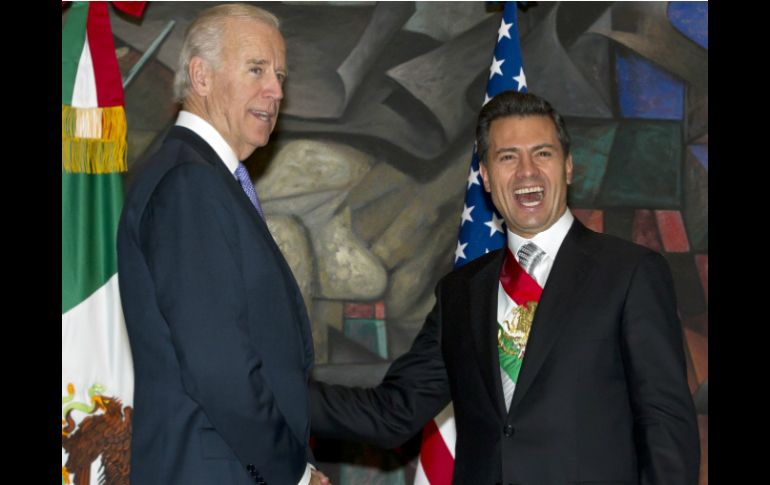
[259, 142]
[261, 139]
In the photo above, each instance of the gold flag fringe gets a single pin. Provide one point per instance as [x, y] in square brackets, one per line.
[93, 140]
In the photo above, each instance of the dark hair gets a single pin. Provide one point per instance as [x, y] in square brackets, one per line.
[514, 103]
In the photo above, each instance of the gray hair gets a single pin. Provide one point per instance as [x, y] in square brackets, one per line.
[203, 39]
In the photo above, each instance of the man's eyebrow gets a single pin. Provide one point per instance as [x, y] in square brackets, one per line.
[263, 62]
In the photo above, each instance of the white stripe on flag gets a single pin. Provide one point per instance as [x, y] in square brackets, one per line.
[95, 350]
[445, 422]
[84, 92]
[419, 475]
[95, 347]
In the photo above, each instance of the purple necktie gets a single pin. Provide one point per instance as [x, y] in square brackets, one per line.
[243, 177]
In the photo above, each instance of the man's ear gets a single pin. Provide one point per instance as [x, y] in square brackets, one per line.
[201, 75]
[568, 168]
[484, 175]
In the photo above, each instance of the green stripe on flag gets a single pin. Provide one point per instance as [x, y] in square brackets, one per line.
[73, 37]
[90, 210]
[511, 365]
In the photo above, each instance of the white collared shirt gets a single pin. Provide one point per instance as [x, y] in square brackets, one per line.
[549, 241]
[210, 135]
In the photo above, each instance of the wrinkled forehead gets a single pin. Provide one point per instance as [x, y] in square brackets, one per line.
[252, 30]
[247, 38]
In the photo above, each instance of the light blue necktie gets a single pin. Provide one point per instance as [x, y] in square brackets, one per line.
[243, 177]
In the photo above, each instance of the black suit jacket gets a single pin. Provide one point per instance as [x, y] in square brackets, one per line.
[219, 333]
[602, 394]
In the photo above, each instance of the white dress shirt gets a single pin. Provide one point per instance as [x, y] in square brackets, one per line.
[210, 135]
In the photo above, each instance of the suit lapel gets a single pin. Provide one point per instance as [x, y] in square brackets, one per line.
[483, 311]
[211, 157]
[242, 199]
[560, 295]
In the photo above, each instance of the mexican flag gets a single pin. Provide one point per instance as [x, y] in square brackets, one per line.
[97, 370]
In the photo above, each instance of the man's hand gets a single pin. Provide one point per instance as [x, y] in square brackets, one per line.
[318, 478]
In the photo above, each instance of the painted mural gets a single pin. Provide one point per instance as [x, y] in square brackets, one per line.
[363, 180]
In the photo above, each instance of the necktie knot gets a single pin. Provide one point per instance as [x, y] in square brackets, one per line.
[248, 187]
[530, 256]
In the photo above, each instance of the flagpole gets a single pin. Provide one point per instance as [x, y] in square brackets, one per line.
[148, 54]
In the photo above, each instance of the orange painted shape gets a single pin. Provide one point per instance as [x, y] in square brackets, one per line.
[672, 232]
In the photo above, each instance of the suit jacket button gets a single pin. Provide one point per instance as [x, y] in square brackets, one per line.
[251, 468]
[508, 430]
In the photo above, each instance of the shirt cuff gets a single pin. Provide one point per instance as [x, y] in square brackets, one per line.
[305, 480]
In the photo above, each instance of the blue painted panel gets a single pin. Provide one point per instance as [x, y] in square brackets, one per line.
[647, 91]
[691, 19]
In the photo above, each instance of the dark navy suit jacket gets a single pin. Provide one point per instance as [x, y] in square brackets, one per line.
[219, 333]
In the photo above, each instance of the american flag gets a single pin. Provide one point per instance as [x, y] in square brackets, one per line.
[481, 230]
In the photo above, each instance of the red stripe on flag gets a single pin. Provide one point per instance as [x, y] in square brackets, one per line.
[109, 85]
[437, 461]
[517, 283]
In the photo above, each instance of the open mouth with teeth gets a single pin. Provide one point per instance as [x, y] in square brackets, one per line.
[262, 115]
[529, 196]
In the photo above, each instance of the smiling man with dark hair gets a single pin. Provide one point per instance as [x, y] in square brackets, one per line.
[562, 352]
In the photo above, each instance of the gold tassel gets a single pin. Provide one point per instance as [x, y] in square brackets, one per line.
[93, 140]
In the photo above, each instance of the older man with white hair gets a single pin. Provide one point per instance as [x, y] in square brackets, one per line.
[219, 332]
